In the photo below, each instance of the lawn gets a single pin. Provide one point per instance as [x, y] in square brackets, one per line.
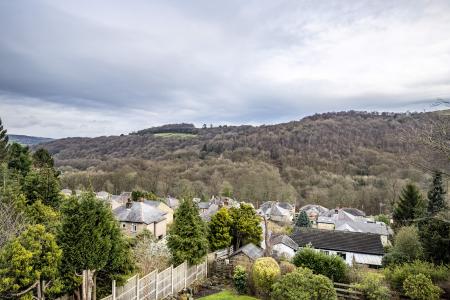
[227, 295]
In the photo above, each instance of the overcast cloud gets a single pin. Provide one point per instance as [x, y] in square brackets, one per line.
[88, 68]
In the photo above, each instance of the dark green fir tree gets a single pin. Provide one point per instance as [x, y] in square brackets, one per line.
[436, 195]
[303, 220]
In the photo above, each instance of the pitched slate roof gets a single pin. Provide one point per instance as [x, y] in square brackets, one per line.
[378, 228]
[172, 202]
[252, 251]
[285, 240]
[139, 212]
[356, 242]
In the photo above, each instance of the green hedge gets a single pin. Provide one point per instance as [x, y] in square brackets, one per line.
[331, 266]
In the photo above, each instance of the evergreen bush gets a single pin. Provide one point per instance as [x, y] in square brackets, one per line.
[420, 287]
[265, 273]
[331, 266]
[240, 279]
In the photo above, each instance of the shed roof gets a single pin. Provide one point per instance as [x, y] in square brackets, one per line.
[250, 250]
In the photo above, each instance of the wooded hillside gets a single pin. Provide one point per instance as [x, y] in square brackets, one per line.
[335, 159]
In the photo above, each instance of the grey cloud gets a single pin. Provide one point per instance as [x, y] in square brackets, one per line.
[122, 66]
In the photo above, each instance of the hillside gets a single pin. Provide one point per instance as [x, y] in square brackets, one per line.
[346, 158]
[28, 140]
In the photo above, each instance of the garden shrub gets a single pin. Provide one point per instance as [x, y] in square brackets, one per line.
[240, 279]
[302, 284]
[407, 247]
[396, 275]
[420, 287]
[286, 267]
[265, 272]
[372, 286]
[331, 266]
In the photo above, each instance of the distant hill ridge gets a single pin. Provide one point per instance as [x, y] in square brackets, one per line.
[28, 140]
[356, 159]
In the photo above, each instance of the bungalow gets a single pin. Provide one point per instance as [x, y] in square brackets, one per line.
[353, 247]
[134, 217]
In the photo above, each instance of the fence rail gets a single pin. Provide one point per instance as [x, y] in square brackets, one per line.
[157, 286]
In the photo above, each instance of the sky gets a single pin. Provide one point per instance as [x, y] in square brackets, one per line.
[91, 68]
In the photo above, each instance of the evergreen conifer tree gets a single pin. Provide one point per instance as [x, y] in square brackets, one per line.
[219, 230]
[3, 143]
[187, 239]
[91, 240]
[42, 159]
[19, 159]
[410, 206]
[246, 226]
[436, 195]
[303, 220]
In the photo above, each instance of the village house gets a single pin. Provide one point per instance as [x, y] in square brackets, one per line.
[171, 202]
[354, 220]
[277, 211]
[313, 211]
[209, 208]
[134, 217]
[163, 207]
[353, 247]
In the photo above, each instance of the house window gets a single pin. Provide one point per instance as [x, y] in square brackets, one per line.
[133, 227]
[343, 255]
[325, 251]
[124, 225]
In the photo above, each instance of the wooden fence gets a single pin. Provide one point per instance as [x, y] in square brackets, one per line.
[156, 286]
[344, 291]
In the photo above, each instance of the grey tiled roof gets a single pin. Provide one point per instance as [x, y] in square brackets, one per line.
[378, 228]
[172, 202]
[355, 242]
[252, 251]
[285, 240]
[140, 212]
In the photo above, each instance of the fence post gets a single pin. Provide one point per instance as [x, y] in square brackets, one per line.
[185, 273]
[137, 287]
[206, 267]
[171, 277]
[156, 285]
[114, 289]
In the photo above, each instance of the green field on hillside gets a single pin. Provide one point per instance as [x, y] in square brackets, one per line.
[175, 135]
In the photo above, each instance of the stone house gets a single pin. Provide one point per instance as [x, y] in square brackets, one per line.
[164, 207]
[135, 217]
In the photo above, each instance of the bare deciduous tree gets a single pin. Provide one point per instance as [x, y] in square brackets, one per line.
[11, 222]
